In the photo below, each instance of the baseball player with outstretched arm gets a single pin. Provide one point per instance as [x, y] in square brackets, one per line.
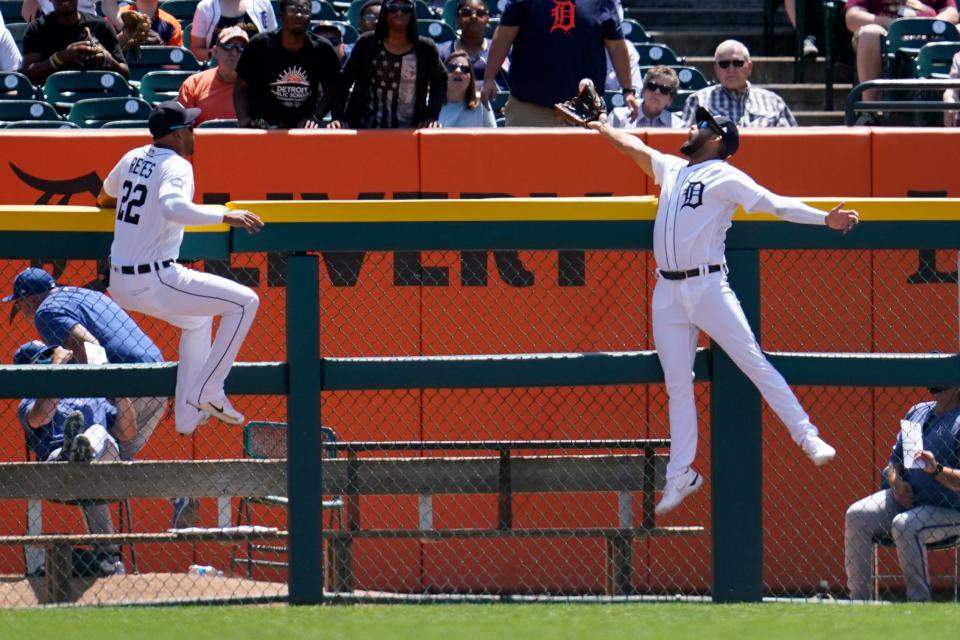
[698, 198]
[152, 190]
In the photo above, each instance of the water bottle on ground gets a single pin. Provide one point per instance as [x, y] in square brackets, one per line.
[204, 570]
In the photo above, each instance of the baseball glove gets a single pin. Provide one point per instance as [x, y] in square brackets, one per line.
[136, 30]
[585, 107]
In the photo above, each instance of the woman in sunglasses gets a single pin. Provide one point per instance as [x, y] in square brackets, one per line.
[659, 87]
[472, 19]
[393, 79]
[463, 108]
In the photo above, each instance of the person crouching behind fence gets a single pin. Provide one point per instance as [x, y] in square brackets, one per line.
[919, 502]
[76, 430]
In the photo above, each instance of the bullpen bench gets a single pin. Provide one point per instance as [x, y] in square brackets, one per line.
[352, 470]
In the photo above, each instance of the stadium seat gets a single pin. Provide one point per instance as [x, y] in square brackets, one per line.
[436, 30]
[906, 36]
[935, 58]
[16, 86]
[350, 34]
[187, 28]
[161, 59]
[125, 124]
[158, 86]
[10, 10]
[63, 88]
[498, 101]
[39, 124]
[323, 10]
[33, 110]
[952, 544]
[221, 123]
[634, 32]
[93, 113]
[17, 29]
[182, 10]
[651, 54]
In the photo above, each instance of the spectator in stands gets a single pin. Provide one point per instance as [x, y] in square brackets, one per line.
[69, 40]
[734, 96]
[660, 85]
[286, 78]
[813, 16]
[919, 501]
[950, 118]
[334, 36]
[165, 30]
[394, 78]
[33, 9]
[211, 91]
[555, 44]
[10, 58]
[76, 430]
[868, 20]
[213, 16]
[472, 18]
[369, 14]
[463, 107]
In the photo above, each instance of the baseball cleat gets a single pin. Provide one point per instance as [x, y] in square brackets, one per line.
[678, 488]
[222, 410]
[187, 429]
[819, 452]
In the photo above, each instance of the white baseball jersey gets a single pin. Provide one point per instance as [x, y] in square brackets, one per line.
[141, 233]
[696, 208]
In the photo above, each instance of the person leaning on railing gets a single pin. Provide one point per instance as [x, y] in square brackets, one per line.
[918, 504]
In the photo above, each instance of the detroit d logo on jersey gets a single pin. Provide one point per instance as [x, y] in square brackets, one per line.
[692, 195]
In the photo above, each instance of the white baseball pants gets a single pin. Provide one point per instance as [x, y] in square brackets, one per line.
[681, 309]
[911, 530]
[189, 300]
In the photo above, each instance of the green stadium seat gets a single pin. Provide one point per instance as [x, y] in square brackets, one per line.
[16, 86]
[64, 88]
[161, 59]
[185, 34]
[906, 36]
[350, 34]
[652, 54]
[222, 123]
[935, 58]
[33, 110]
[323, 10]
[39, 124]
[158, 86]
[11, 10]
[182, 10]
[634, 32]
[436, 30]
[125, 124]
[17, 30]
[93, 113]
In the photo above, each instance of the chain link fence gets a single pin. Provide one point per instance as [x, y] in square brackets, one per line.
[520, 519]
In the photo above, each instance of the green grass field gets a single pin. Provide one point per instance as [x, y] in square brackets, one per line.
[453, 622]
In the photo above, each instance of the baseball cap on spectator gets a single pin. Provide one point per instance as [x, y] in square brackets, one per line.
[231, 33]
[29, 282]
[33, 352]
[168, 116]
[731, 135]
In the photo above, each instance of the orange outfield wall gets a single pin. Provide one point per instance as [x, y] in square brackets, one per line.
[804, 295]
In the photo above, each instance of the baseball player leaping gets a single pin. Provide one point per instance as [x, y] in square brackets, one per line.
[152, 190]
[697, 200]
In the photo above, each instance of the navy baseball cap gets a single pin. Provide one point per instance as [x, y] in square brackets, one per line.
[168, 116]
[33, 352]
[30, 281]
[731, 135]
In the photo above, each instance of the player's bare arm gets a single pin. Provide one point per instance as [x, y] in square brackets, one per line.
[105, 200]
[500, 45]
[242, 219]
[125, 428]
[625, 143]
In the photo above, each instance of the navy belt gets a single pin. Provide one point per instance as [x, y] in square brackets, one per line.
[690, 273]
[143, 268]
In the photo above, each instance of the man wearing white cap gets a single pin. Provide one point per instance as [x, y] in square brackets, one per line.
[212, 90]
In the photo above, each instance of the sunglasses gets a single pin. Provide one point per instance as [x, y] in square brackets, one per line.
[662, 88]
[467, 12]
[227, 46]
[297, 10]
[369, 17]
[725, 64]
[706, 124]
[456, 66]
[399, 7]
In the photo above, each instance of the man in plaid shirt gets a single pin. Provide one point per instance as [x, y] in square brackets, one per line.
[734, 97]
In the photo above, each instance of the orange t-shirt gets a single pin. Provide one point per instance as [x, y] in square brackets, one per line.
[166, 26]
[210, 93]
